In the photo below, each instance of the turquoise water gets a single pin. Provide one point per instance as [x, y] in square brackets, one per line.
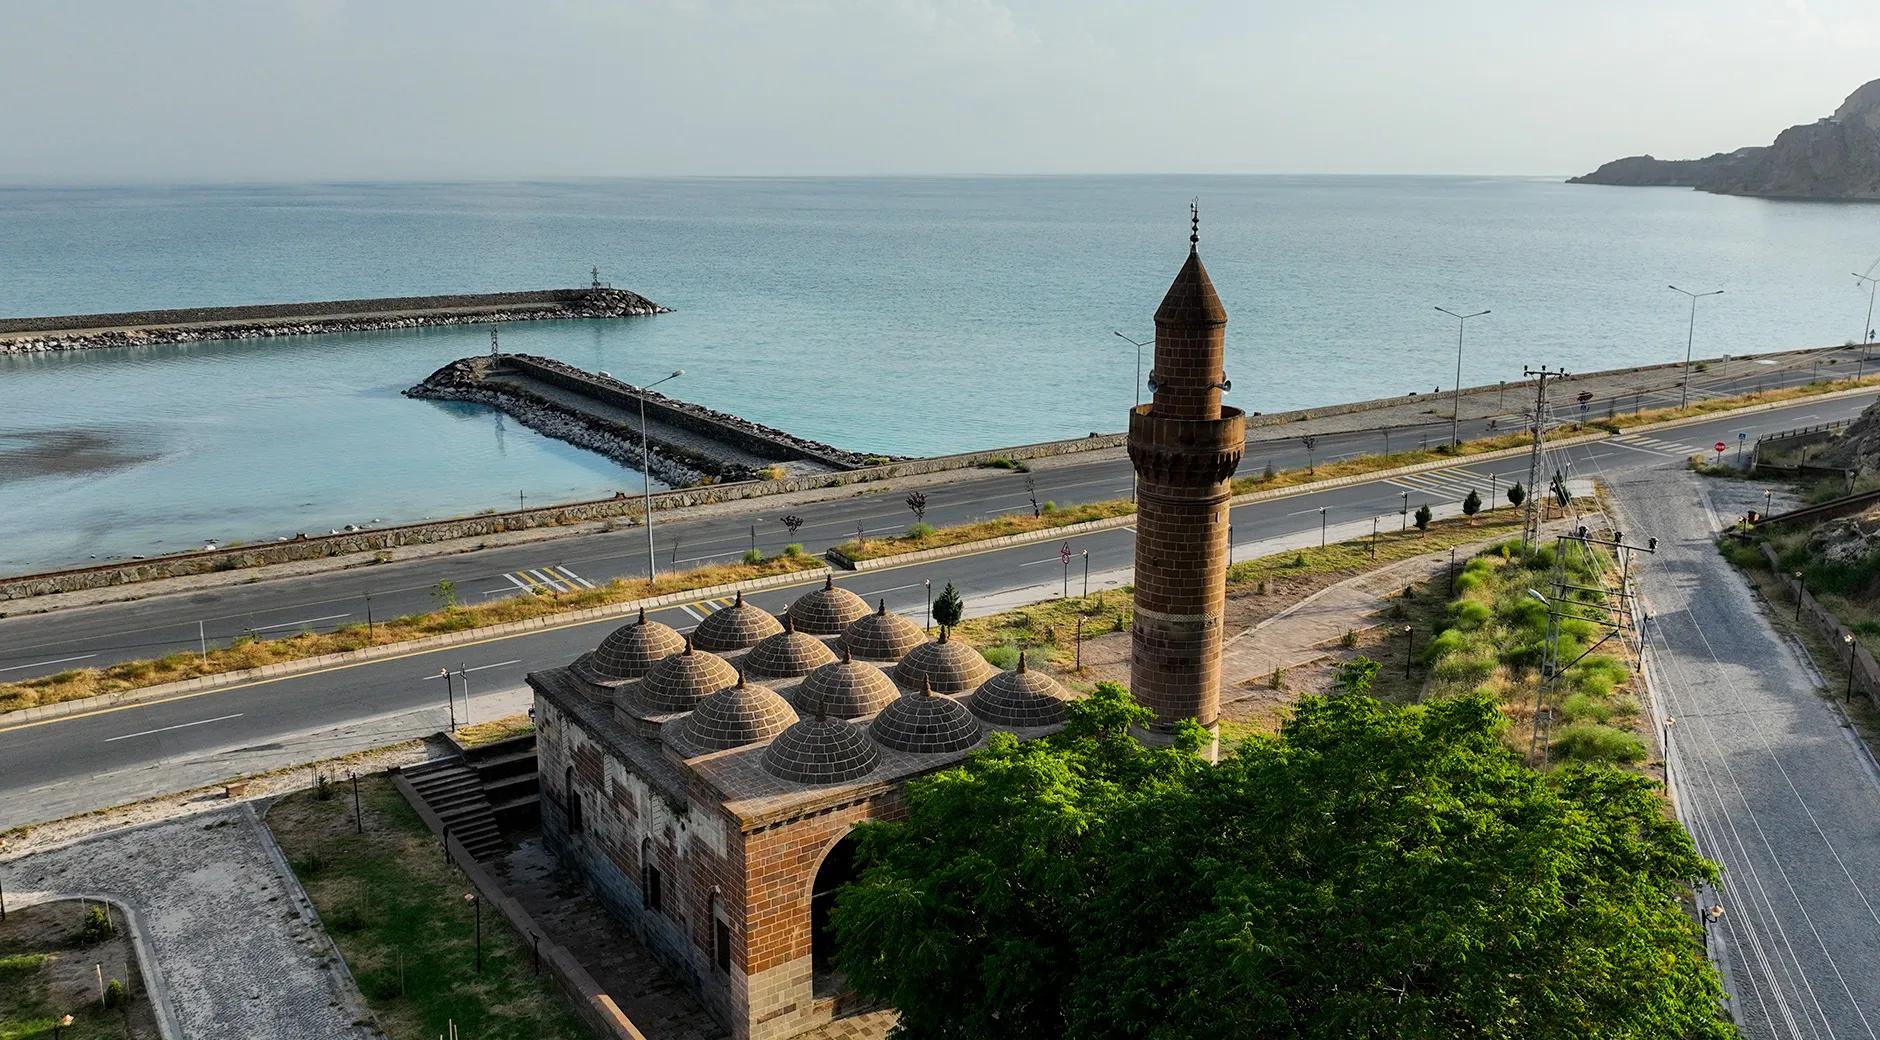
[895, 315]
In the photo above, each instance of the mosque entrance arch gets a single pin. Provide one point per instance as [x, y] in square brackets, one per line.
[838, 869]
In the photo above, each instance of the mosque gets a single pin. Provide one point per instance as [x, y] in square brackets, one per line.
[705, 785]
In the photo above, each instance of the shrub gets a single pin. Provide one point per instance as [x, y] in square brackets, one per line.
[1278, 679]
[770, 473]
[1349, 639]
[1003, 657]
[1422, 517]
[1583, 707]
[114, 996]
[1594, 742]
[97, 926]
[753, 556]
[1743, 554]
[1469, 615]
[1048, 507]
[1600, 675]
[794, 549]
[920, 530]
[1356, 676]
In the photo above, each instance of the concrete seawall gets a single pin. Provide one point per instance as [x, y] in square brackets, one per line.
[140, 328]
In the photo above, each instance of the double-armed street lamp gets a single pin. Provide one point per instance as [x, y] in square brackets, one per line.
[1455, 414]
[1138, 347]
[1690, 337]
[646, 471]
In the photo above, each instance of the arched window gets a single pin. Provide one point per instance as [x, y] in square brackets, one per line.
[650, 894]
[838, 869]
[573, 806]
[721, 934]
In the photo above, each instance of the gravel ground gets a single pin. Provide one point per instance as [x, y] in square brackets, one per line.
[1766, 774]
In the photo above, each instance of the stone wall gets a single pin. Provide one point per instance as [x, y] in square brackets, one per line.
[1830, 628]
[141, 328]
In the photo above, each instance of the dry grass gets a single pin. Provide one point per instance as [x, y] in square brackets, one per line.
[984, 530]
[250, 652]
[494, 730]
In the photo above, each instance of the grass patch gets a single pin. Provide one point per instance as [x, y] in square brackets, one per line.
[494, 730]
[1048, 630]
[1354, 556]
[397, 913]
[251, 652]
[46, 970]
[923, 536]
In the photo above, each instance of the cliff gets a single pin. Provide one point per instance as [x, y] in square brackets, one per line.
[1837, 157]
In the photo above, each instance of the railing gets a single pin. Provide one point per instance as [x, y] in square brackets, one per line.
[1803, 431]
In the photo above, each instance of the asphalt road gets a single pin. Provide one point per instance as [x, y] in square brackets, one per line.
[102, 759]
[43, 644]
[1771, 783]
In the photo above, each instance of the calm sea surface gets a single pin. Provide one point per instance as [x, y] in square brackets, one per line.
[900, 315]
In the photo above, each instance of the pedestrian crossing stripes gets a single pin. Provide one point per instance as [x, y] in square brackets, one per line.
[540, 580]
[698, 611]
[1640, 442]
[1450, 484]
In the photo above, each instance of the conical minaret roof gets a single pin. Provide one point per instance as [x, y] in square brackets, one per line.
[1191, 301]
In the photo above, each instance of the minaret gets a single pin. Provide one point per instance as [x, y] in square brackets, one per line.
[1185, 447]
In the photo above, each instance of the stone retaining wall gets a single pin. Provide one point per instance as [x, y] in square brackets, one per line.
[1866, 670]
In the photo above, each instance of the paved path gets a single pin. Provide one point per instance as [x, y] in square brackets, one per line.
[228, 940]
[1770, 781]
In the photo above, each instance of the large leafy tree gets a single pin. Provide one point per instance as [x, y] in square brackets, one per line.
[1368, 872]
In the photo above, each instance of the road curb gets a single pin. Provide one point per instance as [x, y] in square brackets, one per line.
[187, 687]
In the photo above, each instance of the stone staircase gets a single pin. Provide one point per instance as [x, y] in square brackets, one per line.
[453, 792]
[507, 772]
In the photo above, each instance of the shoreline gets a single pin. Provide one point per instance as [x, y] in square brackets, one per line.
[260, 321]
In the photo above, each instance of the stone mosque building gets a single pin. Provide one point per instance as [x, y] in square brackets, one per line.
[705, 785]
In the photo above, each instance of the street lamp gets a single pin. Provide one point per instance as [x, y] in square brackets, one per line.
[1138, 347]
[1403, 513]
[1409, 641]
[1801, 587]
[59, 1027]
[1866, 330]
[450, 697]
[1690, 336]
[1455, 412]
[646, 470]
[1848, 638]
[471, 898]
[1321, 527]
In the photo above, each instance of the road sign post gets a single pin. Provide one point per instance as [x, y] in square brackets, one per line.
[1740, 438]
[1718, 448]
[1064, 557]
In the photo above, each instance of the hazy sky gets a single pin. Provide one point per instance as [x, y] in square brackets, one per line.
[114, 90]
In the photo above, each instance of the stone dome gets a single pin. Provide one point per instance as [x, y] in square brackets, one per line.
[944, 665]
[882, 636]
[788, 655]
[744, 714]
[681, 681]
[926, 725]
[828, 611]
[735, 627]
[629, 651]
[847, 689]
[821, 750]
[1021, 698]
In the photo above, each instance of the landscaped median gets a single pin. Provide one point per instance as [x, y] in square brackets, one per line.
[249, 659]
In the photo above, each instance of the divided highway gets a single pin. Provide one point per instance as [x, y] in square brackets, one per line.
[87, 759]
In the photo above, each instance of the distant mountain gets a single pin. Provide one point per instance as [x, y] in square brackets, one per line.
[1833, 158]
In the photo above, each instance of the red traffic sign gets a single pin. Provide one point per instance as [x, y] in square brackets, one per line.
[1064, 553]
[1719, 447]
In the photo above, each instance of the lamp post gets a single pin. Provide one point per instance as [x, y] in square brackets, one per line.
[1138, 347]
[1409, 641]
[1690, 337]
[1848, 638]
[1086, 553]
[471, 898]
[646, 470]
[59, 1027]
[927, 583]
[1866, 328]
[1403, 513]
[1801, 587]
[1455, 411]
[1321, 527]
[450, 697]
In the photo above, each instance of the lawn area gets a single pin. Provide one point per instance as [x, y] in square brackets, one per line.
[398, 913]
[253, 652]
[1493, 636]
[926, 536]
[51, 955]
[494, 730]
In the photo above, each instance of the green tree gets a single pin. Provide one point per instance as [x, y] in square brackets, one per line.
[1369, 872]
[1472, 505]
[948, 608]
[1516, 495]
[1422, 517]
[445, 593]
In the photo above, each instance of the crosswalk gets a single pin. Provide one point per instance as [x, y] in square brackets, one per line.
[1450, 484]
[1660, 446]
[541, 580]
[698, 611]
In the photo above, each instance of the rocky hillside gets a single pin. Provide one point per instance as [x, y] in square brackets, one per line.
[1837, 157]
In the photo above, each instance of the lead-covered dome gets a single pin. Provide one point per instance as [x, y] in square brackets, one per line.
[1020, 699]
[926, 725]
[847, 689]
[945, 666]
[821, 751]
[881, 636]
[787, 655]
[735, 627]
[681, 681]
[629, 652]
[827, 611]
[744, 714]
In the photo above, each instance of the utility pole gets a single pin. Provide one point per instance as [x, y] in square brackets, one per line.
[1866, 329]
[1615, 611]
[1530, 525]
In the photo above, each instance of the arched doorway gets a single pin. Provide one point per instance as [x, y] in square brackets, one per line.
[838, 869]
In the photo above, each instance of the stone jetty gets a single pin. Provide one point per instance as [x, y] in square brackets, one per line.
[189, 325]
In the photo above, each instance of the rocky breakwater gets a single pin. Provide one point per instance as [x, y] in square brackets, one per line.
[146, 328]
[1836, 157]
[689, 443]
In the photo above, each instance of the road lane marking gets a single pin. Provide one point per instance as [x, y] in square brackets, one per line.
[897, 588]
[546, 580]
[478, 668]
[180, 725]
[42, 664]
[518, 582]
[302, 621]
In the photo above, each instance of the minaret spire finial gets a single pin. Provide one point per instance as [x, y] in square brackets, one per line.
[1194, 223]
